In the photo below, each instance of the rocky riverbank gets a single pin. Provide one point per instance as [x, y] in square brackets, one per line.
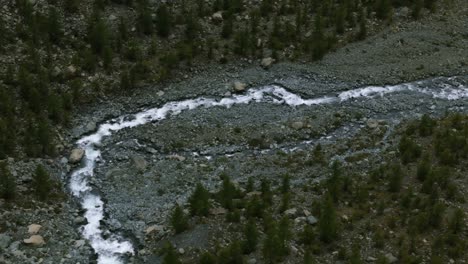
[149, 169]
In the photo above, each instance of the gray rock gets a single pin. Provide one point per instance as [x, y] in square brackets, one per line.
[139, 163]
[79, 243]
[239, 86]
[390, 258]
[252, 261]
[76, 155]
[267, 62]
[5, 241]
[297, 125]
[90, 126]
[64, 160]
[80, 220]
[372, 123]
[35, 240]
[291, 212]
[311, 220]
[217, 17]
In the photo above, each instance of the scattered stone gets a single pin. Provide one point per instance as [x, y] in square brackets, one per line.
[267, 62]
[372, 123]
[154, 228]
[5, 241]
[76, 155]
[80, 220]
[176, 157]
[218, 211]
[254, 193]
[390, 258]
[218, 16]
[71, 70]
[35, 240]
[311, 220]
[34, 229]
[291, 212]
[79, 243]
[91, 126]
[139, 163]
[297, 125]
[252, 261]
[160, 93]
[181, 251]
[239, 86]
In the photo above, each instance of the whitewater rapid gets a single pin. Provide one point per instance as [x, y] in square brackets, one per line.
[112, 248]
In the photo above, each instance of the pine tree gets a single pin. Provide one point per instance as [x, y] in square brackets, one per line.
[43, 136]
[319, 44]
[328, 225]
[179, 220]
[271, 245]
[207, 258]
[340, 20]
[42, 183]
[249, 245]
[384, 9]
[163, 21]
[7, 183]
[71, 6]
[199, 201]
[267, 195]
[362, 34]
[170, 255]
[417, 7]
[396, 178]
[227, 193]
[54, 26]
[144, 20]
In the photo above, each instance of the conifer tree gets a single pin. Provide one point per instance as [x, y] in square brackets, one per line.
[340, 20]
[54, 26]
[249, 245]
[144, 20]
[71, 6]
[319, 44]
[42, 183]
[7, 183]
[362, 34]
[227, 193]
[199, 201]
[328, 225]
[170, 255]
[384, 9]
[163, 21]
[179, 220]
[417, 7]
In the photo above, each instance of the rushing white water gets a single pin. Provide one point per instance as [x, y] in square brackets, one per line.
[112, 248]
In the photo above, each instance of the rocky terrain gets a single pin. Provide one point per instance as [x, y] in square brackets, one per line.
[148, 169]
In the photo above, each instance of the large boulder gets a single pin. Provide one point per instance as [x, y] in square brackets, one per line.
[139, 163]
[76, 155]
[267, 62]
[35, 240]
[239, 86]
[34, 229]
[5, 241]
[217, 17]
